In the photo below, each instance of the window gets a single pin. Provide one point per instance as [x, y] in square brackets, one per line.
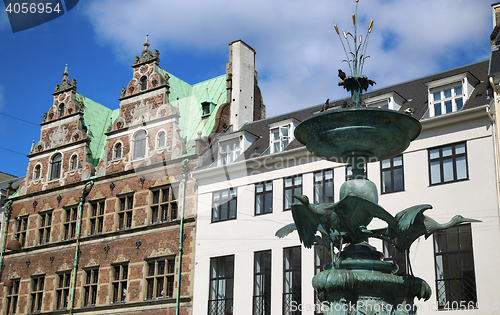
[160, 140]
[160, 278]
[144, 84]
[140, 140]
[455, 275]
[221, 285]
[62, 290]
[73, 163]
[119, 282]
[447, 100]
[117, 151]
[70, 222]
[36, 298]
[262, 283]
[90, 287]
[22, 226]
[322, 257]
[323, 186]
[264, 198]
[55, 166]
[391, 174]
[224, 205]
[125, 213]
[37, 172]
[393, 255]
[448, 164]
[292, 187]
[279, 138]
[60, 110]
[12, 296]
[292, 291]
[229, 151]
[96, 217]
[44, 228]
[348, 173]
[206, 108]
[164, 205]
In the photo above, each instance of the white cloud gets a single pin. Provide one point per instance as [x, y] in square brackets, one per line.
[298, 51]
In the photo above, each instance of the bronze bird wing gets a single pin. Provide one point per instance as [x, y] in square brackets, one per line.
[406, 217]
[306, 224]
[359, 211]
[287, 229]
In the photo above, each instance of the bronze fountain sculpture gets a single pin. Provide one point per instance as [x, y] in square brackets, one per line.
[359, 281]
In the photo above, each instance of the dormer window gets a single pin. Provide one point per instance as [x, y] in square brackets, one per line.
[144, 84]
[205, 108]
[449, 94]
[390, 100]
[279, 138]
[229, 151]
[60, 110]
[447, 100]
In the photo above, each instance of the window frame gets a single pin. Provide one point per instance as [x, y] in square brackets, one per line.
[443, 99]
[63, 285]
[441, 159]
[44, 227]
[290, 191]
[140, 143]
[283, 140]
[392, 169]
[461, 231]
[158, 144]
[155, 281]
[161, 209]
[37, 172]
[322, 257]
[73, 163]
[261, 303]
[56, 166]
[143, 83]
[120, 284]
[36, 293]
[117, 148]
[322, 186]
[22, 229]
[221, 301]
[125, 211]
[90, 287]
[292, 272]
[96, 212]
[70, 222]
[348, 172]
[266, 197]
[219, 205]
[61, 109]
[12, 296]
[229, 150]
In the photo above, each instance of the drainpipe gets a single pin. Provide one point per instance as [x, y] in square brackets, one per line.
[7, 212]
[494, 121]
[85, 192]
[181, 235]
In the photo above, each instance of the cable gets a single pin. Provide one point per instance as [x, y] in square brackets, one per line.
[29, 122]
[13, 151]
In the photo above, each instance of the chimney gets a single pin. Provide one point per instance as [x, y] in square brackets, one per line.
[241, 74]
[496, 14]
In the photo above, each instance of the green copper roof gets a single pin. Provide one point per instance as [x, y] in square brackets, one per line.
[188, 99]
[96, 118]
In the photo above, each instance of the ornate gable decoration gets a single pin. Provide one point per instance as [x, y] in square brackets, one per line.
[147, 55]
[66, 83]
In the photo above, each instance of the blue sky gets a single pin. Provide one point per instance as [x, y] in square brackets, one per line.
[298, 51]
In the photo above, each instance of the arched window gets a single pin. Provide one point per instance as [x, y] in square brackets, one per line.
[37, 172]
[160, 140]
[140, 144]
[144, 84]
[60, 112]
[118, 151]
[73, 162]
[55, 166]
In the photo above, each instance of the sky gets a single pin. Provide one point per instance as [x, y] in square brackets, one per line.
[297, 49]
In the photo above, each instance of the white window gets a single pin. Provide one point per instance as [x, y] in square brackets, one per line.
[140, 142]
[279, 138]
[73, 163]
[446, 100]
[229, 151]
[160, 140]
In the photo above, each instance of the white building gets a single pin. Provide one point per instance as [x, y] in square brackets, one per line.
[245, 189]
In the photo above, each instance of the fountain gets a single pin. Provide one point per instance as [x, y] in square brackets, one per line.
[359, 281]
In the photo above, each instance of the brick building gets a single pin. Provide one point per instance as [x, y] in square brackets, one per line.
[126, 248]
